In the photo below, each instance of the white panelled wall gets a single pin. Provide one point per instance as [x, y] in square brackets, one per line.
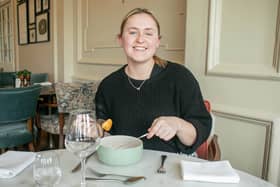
[230, 49]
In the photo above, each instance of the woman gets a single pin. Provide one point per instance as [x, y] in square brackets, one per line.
[151, 95]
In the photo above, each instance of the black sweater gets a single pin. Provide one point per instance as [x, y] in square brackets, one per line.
[171, 91]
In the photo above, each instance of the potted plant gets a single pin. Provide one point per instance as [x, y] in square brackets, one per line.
[24, 76]
[27, 76]
[20, 76]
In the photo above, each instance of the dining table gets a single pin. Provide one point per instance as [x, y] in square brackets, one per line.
[147, 166]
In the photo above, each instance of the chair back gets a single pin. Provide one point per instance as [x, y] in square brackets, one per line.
[210, 149]
[72, 96]
[7, 79]
[39, 77]
[18, 104]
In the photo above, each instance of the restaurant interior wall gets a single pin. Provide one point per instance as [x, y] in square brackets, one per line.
[225, 51]
[38, 57]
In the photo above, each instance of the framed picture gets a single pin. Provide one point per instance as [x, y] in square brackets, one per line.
[22, 23]
[42, 26]
[46, 4]
[38, 6]
[31, 11]
[32, 35]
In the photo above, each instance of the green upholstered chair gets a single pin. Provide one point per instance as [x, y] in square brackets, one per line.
[18, 108]
[39, 77]
[7, 79]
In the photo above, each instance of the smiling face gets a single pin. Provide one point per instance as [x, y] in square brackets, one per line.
[140, 38]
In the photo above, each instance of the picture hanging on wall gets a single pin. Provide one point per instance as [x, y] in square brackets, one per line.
[31, 11]
[32, 33]
[46, 4]
[22, 23]
[42, 27]
[38, 6]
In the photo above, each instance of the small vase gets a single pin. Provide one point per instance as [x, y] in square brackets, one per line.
[21, 77]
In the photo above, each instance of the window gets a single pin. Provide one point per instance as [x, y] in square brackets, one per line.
[6, 35]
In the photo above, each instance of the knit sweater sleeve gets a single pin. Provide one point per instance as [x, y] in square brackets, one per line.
[100, 103]
[194, 111]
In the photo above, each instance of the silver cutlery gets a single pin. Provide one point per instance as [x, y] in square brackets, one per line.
[142, 136]
[161, 169]
[99, 174]
[130, 180]
[129, 143]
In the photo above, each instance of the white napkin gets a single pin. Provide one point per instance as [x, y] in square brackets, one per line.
[44, 83]
[210, 171]
[13, 162]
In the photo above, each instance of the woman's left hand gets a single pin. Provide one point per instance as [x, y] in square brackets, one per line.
[164, 127]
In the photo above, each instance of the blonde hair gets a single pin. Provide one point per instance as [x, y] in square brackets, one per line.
[158, 61]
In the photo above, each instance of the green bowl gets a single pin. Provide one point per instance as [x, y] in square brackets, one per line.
[120, 150]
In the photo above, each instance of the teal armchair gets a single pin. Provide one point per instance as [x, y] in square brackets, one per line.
[7, 79]
[39, 77]
[18, 108]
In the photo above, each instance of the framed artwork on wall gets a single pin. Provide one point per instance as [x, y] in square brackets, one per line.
[31, 11]
[22, 23]
[38, 6]
[33, 21]
[45, 4]
[42, 27]
[32, 35]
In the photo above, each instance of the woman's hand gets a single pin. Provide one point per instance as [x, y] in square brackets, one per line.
[166, 127]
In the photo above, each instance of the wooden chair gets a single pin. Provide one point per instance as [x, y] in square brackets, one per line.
[18, 108]
[210, 149]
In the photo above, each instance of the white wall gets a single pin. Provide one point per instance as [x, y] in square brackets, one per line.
[245, 104]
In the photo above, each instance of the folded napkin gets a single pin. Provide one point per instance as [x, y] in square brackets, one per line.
[13, 162]
[211, 171]
[44, 83]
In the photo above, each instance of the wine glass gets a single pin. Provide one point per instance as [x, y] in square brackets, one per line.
[46, 169]
[82, 136]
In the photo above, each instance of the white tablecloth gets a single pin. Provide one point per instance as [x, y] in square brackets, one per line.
[147, 166]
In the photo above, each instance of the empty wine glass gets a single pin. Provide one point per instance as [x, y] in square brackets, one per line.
[46, 169]
[82, 136]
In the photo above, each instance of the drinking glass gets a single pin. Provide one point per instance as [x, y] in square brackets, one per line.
[46, 169]
[82, 136]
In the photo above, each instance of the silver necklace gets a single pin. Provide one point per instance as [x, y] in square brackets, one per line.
[137, 88]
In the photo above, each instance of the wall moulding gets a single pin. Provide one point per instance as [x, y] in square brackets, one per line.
[96, 39]
[267, 124]
[242, 46]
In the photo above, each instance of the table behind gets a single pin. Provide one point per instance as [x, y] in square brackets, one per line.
[147, 167]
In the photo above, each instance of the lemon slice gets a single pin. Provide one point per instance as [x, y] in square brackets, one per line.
[107, 125]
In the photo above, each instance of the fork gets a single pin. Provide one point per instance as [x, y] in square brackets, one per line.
[161, 169]
[98, 174]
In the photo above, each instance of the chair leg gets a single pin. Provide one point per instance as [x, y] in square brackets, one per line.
[61, 125]
[31, 146]
[2, 150]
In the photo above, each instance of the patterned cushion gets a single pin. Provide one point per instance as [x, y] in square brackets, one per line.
[70, 96]
[50, 124]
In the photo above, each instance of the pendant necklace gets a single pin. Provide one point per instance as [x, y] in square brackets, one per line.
[137, 88]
